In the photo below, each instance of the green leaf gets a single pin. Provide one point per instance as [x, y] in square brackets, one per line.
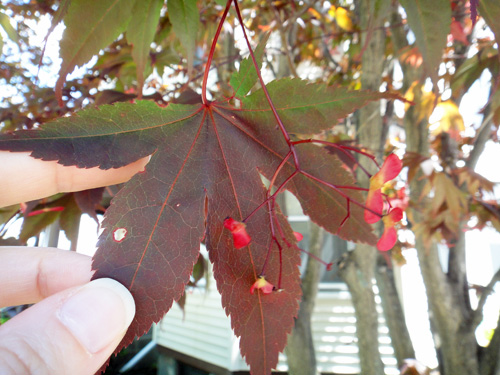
[472, 68]
[490, 11]
[185, 19]
[307, 108]
[140, 33]
[70, 221]
[244, 79]
[430, 21]
[7, 26]
[33, 225]
[91, 25]
[6, 213]
[56, 19]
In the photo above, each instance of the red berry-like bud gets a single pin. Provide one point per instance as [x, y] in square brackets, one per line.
[239, 232]
[265, 286]
[298, 236]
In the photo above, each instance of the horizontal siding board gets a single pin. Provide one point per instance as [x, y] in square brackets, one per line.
[217, 322]
[215, 338]
[193, 345]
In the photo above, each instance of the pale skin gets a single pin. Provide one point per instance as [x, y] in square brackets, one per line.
[75, 324]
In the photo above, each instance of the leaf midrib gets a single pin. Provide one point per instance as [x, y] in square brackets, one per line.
[254, 268]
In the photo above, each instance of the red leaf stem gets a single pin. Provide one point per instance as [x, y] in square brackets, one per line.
[343, 149]
[318, 259]
[264, 89]
[44, 210]
[348, 198]
[211, 54]
[353, 149]
[347, 216]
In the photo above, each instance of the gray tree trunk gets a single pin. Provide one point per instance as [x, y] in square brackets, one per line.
[451, 317]
[393, 312]
[357, 270]
[358, 267]
[300, 354]
[448, 304]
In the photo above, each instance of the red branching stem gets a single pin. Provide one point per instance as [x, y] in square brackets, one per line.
[281, 265]
[347, 216]
[351, 187]
[357, 150]
[278, 190]
[211, 54]
[280, 230]
[348, 198]
[266, 261]
[314, 257]
[280, 248]
[270, 200]
[273, 237]
[280, 167]
[350, 156]
[264, 89]
[343, 148]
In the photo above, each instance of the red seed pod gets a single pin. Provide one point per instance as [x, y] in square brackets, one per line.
[265, 286]
[239, 232]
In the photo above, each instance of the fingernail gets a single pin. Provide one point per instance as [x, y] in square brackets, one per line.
[98, 313]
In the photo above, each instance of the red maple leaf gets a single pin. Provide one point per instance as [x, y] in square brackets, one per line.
[211, 156]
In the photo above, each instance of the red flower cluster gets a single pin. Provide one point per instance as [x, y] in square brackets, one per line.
[375, 202]
[239, 232]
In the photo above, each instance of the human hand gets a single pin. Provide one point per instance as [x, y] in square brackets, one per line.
[75, 324]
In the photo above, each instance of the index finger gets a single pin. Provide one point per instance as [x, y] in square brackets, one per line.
[25, 178]
[28, 275]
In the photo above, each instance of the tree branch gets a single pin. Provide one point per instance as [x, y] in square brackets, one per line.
[489, 363]
[299, 351]
[478, 313]
[483, 135]
[284, 43]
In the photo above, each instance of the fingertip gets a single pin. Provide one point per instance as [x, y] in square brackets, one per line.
[98, 313]
[71, 332]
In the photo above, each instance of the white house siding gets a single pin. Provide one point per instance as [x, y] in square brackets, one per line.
[205, 333]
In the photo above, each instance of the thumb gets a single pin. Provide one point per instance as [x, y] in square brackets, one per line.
[71, 332]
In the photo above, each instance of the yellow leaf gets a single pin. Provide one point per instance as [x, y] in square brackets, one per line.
[446, 191]
[424, 101]
[451, 120]
[314, 13]
[331, 11]
[474, 181]
[343, 19]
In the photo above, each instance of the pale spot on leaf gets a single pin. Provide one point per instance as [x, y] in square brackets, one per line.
[119, 234]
